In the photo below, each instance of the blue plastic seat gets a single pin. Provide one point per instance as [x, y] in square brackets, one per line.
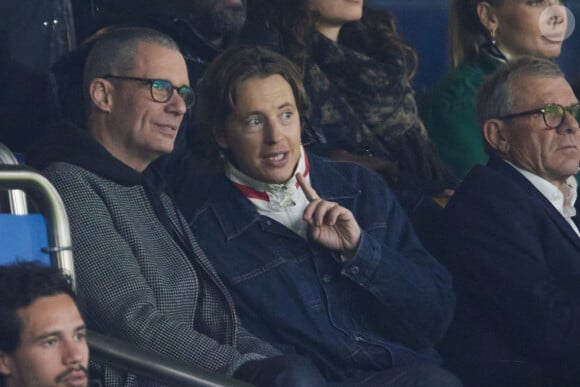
[23, 237]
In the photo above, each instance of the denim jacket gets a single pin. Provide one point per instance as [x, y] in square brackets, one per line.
[385, 307]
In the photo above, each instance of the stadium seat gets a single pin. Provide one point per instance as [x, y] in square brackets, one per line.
[23, 238]
[43, 236]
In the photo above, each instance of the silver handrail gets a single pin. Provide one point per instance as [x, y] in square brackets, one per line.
[16, 198]
[128, 357]
[51, 206]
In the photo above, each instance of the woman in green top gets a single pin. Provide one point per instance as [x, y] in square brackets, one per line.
[482, 35]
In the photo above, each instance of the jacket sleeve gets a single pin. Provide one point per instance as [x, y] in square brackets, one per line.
[120, 301]
[518, 268]
[392, 265]
[247, 342]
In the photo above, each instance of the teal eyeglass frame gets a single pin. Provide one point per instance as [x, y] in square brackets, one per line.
[164, 85]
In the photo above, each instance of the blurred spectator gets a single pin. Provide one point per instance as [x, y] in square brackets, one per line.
[346, 283]
[20, 88]
[42, 333]
[483, 35]
[33, 35]
[143, 275]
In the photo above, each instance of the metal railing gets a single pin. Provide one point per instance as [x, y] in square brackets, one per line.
[151, 366]
[51, 206]
[16, 198]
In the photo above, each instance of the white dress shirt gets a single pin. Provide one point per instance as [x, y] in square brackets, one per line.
[562, 199]
[284, 203]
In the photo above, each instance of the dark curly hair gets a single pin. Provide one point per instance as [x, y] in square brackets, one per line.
[375, 34]
[20, 285]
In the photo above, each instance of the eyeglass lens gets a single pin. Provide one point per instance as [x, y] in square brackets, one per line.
[162, 90]
[554, 114]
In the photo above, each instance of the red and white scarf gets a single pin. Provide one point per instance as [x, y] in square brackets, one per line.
[285, 203]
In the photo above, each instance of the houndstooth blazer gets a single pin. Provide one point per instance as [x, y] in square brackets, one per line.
[140, 286]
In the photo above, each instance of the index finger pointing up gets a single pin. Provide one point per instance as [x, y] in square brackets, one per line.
[309, 192]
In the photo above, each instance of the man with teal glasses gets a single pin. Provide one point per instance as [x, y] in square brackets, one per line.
[142, 274]
[513, 231]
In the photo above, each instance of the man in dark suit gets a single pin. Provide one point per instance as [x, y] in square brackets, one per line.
[514, 243]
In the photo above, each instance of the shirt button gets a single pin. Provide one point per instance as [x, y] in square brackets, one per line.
[269, 222]
[327, 278]
[354, 270]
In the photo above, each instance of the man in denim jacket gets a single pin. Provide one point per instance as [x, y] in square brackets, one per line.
[141, 272]
[319, 256]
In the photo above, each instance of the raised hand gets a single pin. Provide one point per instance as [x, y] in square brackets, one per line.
[329, 224]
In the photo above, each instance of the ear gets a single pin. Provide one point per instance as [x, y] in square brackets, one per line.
[5, 361]
[496, 136]
[101, 94]
[487, 16]
[220, 137]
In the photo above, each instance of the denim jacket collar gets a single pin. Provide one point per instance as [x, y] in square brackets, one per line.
[235, 213]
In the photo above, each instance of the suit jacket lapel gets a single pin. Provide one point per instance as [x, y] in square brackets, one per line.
[535, 195]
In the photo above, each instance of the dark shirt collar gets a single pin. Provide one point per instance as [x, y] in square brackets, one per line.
[74, 145]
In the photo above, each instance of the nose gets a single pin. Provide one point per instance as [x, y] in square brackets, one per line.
[272, 132]
[176, 104]
[570, 124]
[73, 352]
